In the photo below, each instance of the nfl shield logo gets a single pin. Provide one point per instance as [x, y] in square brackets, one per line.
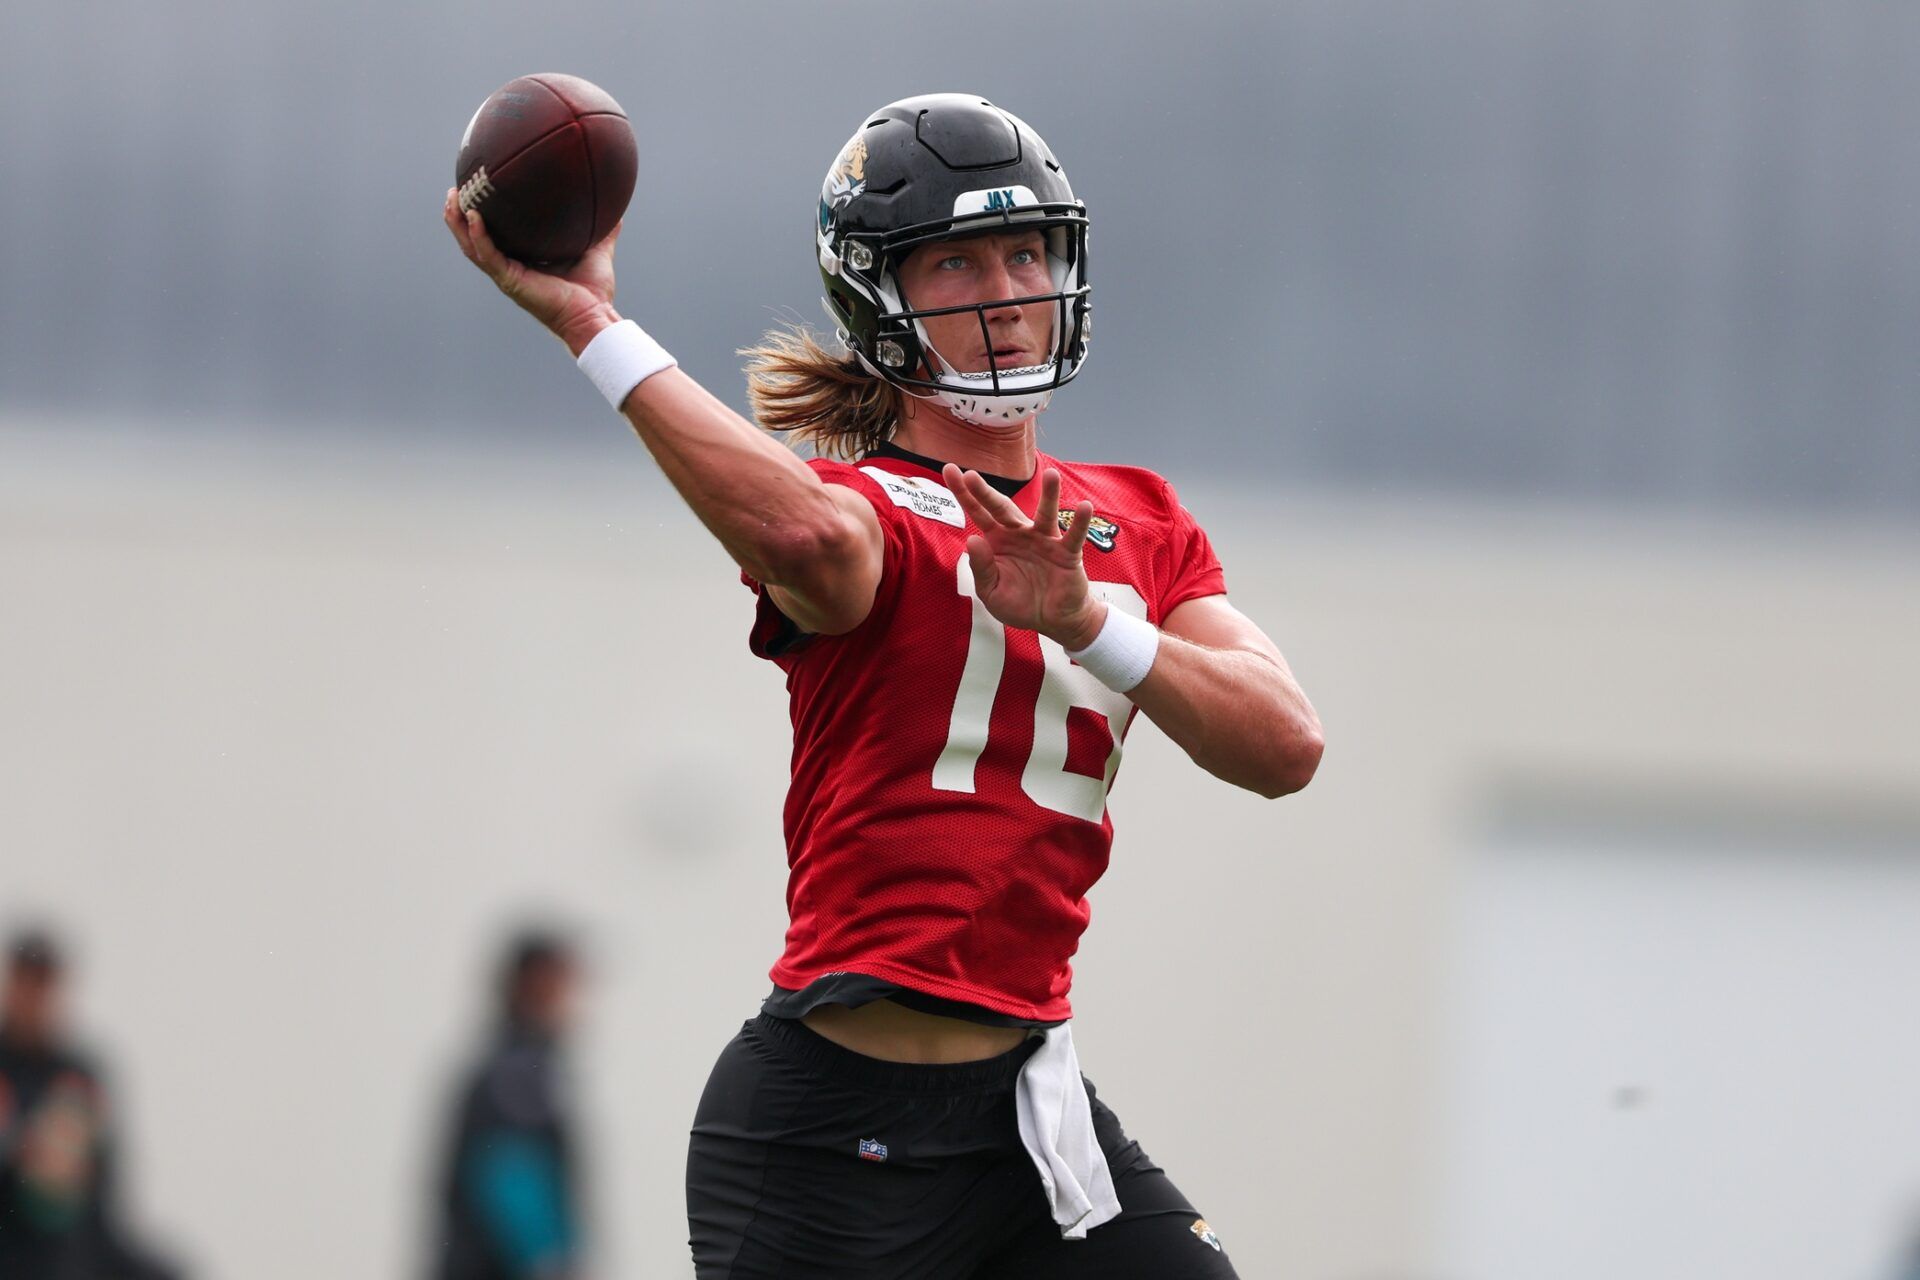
[871, 1150]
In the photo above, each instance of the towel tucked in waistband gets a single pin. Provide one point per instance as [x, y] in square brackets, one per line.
[1056, 1126]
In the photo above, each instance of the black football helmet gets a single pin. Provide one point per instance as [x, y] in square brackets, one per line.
[935, 168]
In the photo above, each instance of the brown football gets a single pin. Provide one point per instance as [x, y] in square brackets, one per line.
[549, 162]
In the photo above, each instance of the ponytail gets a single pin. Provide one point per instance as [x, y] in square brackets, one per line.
[798, 386]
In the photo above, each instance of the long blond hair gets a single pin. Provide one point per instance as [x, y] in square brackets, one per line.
[797, 385]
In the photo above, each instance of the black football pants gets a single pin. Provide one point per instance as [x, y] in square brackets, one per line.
[808, 1160]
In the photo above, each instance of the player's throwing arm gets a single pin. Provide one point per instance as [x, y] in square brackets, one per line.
[818, 545]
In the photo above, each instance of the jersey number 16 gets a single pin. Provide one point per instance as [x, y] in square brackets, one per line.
[1063, 686]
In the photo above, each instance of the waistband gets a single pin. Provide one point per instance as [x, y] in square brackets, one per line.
[807, 1048]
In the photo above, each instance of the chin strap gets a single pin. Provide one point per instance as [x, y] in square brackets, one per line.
[994, 411]
[986, 411]
[981, 411]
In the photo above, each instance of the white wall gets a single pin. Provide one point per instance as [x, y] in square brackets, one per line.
[1685, 1052]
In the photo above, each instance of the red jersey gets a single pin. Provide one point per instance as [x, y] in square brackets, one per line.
[948, 810]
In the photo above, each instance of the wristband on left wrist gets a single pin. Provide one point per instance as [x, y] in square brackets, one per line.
[1122, 654]
[1086, 634]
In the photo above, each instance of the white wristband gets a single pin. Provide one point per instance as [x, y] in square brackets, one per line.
[1122, 654]
[620, 358]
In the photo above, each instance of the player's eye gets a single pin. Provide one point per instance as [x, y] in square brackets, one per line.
[955, 263]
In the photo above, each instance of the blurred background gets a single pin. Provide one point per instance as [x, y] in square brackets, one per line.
[1546, 374]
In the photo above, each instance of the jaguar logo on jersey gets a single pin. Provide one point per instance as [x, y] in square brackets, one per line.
[1102, 533]
[1205, 1234]
[847, 179]
[877, 1152]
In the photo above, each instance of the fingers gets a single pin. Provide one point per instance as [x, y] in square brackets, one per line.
[603, 247]
[485, 252]
[470, 231]
[956, 480]
[1076, 535]
[987, 507]
[1004, 509]
[984, 505]
[985, 571]
[1047, 514]
[507, 274]
[457, 223]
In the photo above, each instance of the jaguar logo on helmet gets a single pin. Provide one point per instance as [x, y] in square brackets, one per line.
[846, 180]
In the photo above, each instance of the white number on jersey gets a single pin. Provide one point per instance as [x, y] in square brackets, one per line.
[1063, 686]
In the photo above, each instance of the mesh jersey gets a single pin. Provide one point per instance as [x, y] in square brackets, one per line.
[947, 813]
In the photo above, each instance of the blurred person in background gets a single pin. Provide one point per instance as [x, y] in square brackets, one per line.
[965, 643]
[509, 1191]
[59, 1217]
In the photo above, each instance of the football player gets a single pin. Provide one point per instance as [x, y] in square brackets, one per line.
[967, 626]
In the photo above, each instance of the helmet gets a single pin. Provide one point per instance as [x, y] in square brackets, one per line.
[934, 168]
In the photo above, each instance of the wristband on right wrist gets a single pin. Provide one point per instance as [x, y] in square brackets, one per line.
[620, 358]
[1122, 654]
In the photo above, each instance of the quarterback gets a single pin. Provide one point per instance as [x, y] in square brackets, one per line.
[967, 626]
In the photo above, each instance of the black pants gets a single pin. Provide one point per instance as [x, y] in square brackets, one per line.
[808, 1160]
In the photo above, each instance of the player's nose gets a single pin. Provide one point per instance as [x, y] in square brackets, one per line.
[997, 284]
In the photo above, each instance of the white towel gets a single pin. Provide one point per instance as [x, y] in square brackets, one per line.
[1056, 1124]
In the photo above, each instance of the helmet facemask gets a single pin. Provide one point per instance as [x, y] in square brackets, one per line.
[900, 349]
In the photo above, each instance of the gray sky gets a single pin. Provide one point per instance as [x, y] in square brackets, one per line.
[1642, 250]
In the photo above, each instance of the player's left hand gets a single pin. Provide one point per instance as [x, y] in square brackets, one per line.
[1029, 573]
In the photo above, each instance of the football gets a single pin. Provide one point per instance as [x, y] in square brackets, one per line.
[549, 162]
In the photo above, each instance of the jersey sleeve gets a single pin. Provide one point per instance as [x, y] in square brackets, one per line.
[774, 634]
[1196, 570]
